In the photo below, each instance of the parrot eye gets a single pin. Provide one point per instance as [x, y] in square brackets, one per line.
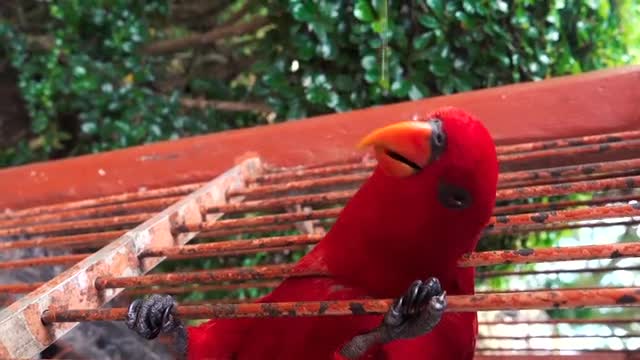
[453, 197]
[438, 138]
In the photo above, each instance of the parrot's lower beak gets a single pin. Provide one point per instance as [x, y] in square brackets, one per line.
[405, 148]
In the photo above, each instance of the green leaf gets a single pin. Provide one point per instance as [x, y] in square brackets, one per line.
[429, 21]
[369, 62]
[363, 11]
[420, 42]
[437, 6]
[304, 11]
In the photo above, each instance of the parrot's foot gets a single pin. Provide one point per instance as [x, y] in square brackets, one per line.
[414, 314]
[153, 315]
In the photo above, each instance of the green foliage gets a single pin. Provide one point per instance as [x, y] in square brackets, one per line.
[317, 57]
[352, 54]
[96, 73]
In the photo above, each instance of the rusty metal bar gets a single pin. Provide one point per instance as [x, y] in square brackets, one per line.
[19, 288]
[24, 336]
[269, 204]
[240, 230]
[593, 213]
[564, 171]
[574, 141]
[521, 229]
[77, 225]
[62, 241]
[521, 256]
[301, 185]
[564, 204]
[621, 183]
[213, 249]
[508, 222]
[269, 169]
[625, 182]
[97, 211]
[288, 270]
[507, 179]
[582, 351]
[304, 174]
[571, 179]
[488, 274]
[552, 299]
[627, 145]
[611, 355]
[260, 220]
[207, 276]
[339, 196]
[571, 321]
[557, 336]
[201, 288]
[43, 261]
[112, 199]
[525, 256]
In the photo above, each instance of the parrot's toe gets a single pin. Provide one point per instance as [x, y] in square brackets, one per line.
[151, 316]
[417, 312]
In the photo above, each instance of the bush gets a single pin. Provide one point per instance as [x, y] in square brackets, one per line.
[104, 74]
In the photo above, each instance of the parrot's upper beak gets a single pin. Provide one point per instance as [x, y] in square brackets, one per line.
[405, 148]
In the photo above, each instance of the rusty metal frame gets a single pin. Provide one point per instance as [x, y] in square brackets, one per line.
[24, 335]
[559, 111]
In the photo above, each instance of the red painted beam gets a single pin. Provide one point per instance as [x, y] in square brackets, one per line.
[597, 102]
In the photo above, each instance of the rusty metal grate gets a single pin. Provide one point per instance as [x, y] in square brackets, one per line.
[111, 247]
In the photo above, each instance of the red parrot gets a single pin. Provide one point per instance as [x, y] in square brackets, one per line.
[426, 203]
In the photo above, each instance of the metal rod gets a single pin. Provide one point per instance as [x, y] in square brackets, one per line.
[625, 182]
[521, 229]
[77, 225]
[231, 246]
[98, 211]
[281, 202]
[43, 261]
[557, 336]
[289, 270]
[620, 183]
[581, 214]
[301, 185]
[627, 145]
[525, 256]
[574, 141]
[563, 204]
[241, 230]
[61, 241]
[552, 299]
[207, 276]
[572, 321]
[19, 288]
[272, 178]
[561, 173]
[488, 274]
[112, 199]
[260, 220]
[201, 288]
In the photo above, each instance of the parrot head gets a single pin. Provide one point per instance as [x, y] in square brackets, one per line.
[443, 168]
[450, 149]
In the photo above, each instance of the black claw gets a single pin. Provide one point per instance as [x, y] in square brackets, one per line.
[415, 313]
[152, 316]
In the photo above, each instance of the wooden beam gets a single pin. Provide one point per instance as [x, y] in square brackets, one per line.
[597, 102]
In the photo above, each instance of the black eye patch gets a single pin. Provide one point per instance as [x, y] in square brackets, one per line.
[453, 197]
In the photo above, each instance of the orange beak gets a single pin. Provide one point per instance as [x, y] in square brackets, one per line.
[405, 148]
